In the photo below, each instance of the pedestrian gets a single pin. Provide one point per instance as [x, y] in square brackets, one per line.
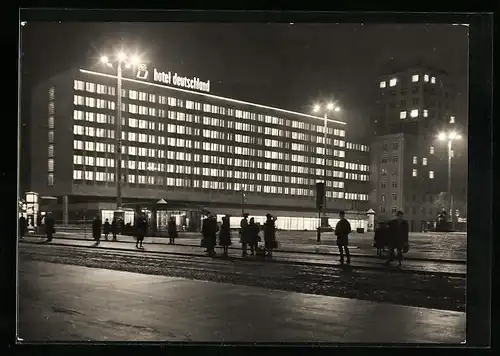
[96, 229]
[114, 228]
[244, 234]
[172, 230]
[380, 240]
[270, 235]
[106, 229]
[398, 238]
[342, 231]
[22, 226]
[209, 231]
[49, 226]
[253, 236]
[225, 235]
[141, 227]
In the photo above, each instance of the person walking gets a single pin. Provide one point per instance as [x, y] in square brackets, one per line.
[114, 228]
[398, 238]
[253, 236]
[49, 226]
[380, 240]
[209, 231]
[225, 235]
[172, 230]
[342, 231]
[270, 235]
[96, 229]
[106, 229]
[22, 227]
[141, 228]
[244, 234]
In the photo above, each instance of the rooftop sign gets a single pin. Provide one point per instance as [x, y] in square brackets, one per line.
[171, 78]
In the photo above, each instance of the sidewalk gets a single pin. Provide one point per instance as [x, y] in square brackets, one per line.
[72, 303]
[159, 245]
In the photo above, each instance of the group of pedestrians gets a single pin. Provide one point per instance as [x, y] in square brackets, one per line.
[98, 228]
[394, 236]
[249, 235]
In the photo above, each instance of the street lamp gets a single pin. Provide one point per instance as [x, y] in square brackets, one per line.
[318, 109]
[121, 60]
[449, 136]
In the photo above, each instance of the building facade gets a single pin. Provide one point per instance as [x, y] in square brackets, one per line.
[192, 149]
[409, 165]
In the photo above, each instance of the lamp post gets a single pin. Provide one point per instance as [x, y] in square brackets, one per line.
[120, 60]
[318, 109]
[325, 109]
[449, 136]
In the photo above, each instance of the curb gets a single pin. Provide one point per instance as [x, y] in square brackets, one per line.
[300, 263]
[416, 259]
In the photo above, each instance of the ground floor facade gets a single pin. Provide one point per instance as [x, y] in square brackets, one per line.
[81, 210]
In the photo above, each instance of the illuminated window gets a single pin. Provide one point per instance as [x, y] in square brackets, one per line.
[152, 98]
[415, 160]
[433, 80]
[424, 161]
[79, 85]
[431, 174]
[414, 173]
[414, 113]
[452, 120]
[402, 115]
[78, 100]
[426, 78]
[383, 84]
[431, 150]
[393, 82]
[426, 113]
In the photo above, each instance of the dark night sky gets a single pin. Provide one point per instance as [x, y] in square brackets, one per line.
[288, 66]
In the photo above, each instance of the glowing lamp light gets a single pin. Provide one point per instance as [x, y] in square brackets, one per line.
[121, 56]
[330, 106]
[453, 135]
[316, 108]
[135, 60]
[442, 136]
[337, 109]
[104, 59]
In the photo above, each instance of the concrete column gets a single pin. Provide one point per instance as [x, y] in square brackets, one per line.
[65, 210]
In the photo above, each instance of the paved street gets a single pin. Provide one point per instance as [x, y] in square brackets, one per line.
[374, 281]
[73, 303]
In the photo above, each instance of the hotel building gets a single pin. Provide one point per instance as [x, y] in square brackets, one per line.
[193, 149]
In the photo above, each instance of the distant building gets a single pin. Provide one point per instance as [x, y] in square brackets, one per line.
[193, 149]
[414, 99]
[409, 165]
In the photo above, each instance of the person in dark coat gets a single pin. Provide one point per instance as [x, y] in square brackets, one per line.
[252, 236]
[141, 229]
[398, 237]
[342, 231]
[96, 229]
[269, 235]
[244, 234]
[225, 235]
[381, 239]
[114, 228]
[209, 231]
[49, 227]
[23, 225]
[106, 229]
[172, 230]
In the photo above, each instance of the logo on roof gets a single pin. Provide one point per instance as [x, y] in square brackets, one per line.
[142, 72]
